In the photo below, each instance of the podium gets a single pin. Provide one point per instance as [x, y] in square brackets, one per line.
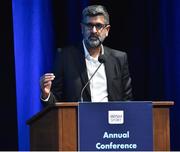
[56, 127]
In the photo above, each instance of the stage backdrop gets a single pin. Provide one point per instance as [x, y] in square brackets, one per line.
[147, 30]
[34, 46]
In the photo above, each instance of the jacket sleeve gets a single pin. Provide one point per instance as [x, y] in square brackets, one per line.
[57, 84]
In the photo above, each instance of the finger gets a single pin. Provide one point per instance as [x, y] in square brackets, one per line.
[47, 84]
[49, 74]
[44, 82]
[48, 78]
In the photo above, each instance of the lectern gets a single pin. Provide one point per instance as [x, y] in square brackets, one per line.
[56, 127]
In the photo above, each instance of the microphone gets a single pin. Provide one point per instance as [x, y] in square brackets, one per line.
[102, 60]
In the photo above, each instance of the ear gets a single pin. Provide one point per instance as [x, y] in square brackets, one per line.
[108, 29]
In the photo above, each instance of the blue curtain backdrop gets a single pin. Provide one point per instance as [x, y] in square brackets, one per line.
[154, 50]
[170, 34]
[34, 45]
[155, 55]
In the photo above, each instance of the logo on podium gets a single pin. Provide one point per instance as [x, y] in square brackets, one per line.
[116, 117]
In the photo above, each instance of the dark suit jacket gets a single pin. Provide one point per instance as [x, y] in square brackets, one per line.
[71, 75]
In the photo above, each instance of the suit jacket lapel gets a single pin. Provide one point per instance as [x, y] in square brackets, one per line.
[111, 71]
[81, 65]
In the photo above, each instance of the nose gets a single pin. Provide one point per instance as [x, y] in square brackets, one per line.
[94, 30]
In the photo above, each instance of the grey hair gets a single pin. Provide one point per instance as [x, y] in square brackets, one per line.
[95, 10]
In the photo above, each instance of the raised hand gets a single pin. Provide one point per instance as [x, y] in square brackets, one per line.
[45, 84]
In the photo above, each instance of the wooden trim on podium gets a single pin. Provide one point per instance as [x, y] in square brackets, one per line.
[50, 107]
[161, 125]
[55, 127]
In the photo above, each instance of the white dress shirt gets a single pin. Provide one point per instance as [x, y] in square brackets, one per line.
[98, 84]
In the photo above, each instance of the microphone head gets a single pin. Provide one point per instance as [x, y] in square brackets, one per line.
[101, 58]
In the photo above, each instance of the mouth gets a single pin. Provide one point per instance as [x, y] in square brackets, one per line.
[93, 38]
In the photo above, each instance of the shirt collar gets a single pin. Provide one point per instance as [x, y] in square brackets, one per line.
[86, 52]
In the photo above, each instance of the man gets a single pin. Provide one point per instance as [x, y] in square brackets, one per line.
[75, 65]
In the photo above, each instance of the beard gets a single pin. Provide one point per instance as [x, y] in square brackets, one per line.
[94, 41]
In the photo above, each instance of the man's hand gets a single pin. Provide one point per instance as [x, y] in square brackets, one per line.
[45, 84]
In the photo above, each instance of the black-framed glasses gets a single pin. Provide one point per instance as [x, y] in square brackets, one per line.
[98, 26]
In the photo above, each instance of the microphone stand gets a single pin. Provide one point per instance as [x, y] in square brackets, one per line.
[82, 91]
[102, 60]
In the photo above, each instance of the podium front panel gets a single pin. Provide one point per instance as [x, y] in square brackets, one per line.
[115, 126]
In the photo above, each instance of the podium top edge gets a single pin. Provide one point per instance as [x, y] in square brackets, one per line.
[75, 104]
[154, 103]
[66, 104]
[163, 103]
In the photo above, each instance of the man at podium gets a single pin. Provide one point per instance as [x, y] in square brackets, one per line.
[89, 71]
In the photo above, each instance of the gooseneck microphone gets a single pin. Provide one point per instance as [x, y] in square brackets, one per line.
[102, 60]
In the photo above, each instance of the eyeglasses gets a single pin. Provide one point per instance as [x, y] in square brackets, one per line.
[98, 26]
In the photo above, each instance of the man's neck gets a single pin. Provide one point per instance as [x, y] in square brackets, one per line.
[94, 52]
